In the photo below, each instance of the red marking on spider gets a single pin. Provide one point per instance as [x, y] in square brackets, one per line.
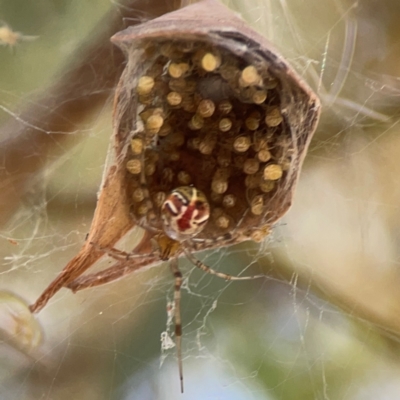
[185, 221]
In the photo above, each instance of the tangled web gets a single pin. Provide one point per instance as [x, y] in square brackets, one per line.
[319, 324]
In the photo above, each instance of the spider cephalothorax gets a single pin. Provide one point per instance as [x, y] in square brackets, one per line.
[185, 213]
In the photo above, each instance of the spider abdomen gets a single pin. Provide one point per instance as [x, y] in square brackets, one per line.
[185, 212]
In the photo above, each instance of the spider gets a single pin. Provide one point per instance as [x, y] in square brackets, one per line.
[185, 213]
[210, 131]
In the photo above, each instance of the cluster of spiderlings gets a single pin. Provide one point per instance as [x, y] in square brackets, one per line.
[210, 119]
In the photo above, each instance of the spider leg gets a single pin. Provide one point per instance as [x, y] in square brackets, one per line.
[209, 270]
[177, 315]
[119, 255]
[119, 270]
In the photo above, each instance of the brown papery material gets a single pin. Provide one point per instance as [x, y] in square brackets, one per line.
[204, 25]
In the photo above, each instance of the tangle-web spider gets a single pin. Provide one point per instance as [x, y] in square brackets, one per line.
[185, 213]
[211, 127]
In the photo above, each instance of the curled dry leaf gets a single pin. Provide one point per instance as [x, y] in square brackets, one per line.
[203, 100]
